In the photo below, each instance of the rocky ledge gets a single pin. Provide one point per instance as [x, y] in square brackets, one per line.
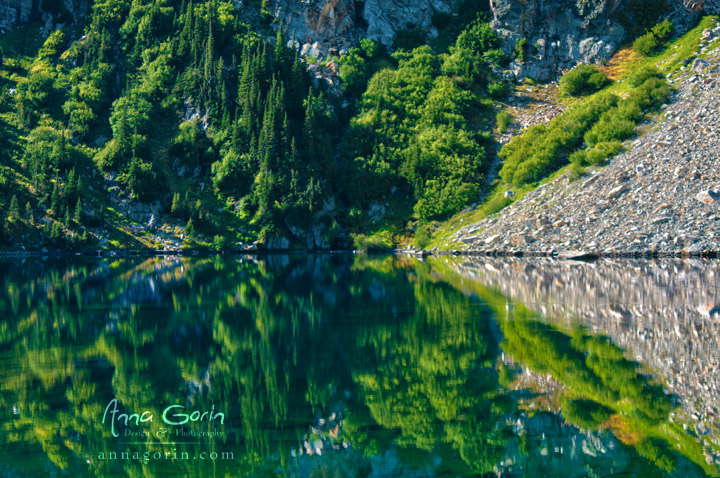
[659, 197]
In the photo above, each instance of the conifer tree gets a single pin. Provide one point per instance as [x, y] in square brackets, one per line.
[78, 212]
[14, 208]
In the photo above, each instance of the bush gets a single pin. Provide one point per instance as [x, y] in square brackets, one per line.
[503, 120]
[649, 43]
[380, 242]
[663, 30]
[596, 155]
[521, 49]
[642, 75]
[498, 90]
[422, 237]
[53, 46]
[542, 148]
[611, 127]
[583, 80]
[646, 44]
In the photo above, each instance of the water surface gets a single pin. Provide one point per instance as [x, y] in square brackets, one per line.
[357, 366]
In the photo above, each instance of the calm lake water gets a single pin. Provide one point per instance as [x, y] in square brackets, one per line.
[358, 366]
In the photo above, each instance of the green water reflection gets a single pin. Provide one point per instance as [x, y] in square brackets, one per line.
[322, 366]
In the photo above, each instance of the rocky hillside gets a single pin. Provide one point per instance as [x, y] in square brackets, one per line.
[659, 196]
[337, 23]
[17, 12]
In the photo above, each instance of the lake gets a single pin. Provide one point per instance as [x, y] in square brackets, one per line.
[358, 366]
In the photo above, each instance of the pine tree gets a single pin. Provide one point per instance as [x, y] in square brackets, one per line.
[29, 213]
[78, 212]
[176, 205]
[189, 229]
[14, 208]
[55, 200]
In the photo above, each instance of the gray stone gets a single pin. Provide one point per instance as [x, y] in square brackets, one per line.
[707, 196]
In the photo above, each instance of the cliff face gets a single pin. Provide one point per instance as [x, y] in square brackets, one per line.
[562, 33]
[52, 12]
[337, 23]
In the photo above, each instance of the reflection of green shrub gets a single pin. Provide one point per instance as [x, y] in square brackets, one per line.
[658, 452]
[582, 80]
[585, 413]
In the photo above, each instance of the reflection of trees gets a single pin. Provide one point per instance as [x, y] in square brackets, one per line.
[602, 387]
[431, 375]
[410, 361]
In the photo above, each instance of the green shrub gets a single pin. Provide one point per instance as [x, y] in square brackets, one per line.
[583, 80]
[503, 120]
[53, 46]
[653, 93]
[646, 44]
[611, 126]
[576, 170]
[380, 242]
[663, 30]
[649, 43]
[422, 237]
[521, 49]
[642, 75]
[599, 153]
[542, 148]
[498, 89]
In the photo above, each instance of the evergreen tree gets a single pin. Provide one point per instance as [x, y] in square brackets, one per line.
[29, 213]
[78, 212]
[14, 208]
[55, 200]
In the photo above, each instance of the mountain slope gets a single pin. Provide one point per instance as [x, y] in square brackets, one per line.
[660, 196]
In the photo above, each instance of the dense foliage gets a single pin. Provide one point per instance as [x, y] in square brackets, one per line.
[180, 103]
[582, 80]
[651, 42]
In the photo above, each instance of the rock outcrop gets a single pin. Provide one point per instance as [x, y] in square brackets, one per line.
[559, 33]
[52, 13]
[339, 23]
[562, 33]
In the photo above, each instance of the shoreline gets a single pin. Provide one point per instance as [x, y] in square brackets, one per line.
[553, 254]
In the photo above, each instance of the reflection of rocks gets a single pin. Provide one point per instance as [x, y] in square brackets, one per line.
[324, 436]
[663, 312]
